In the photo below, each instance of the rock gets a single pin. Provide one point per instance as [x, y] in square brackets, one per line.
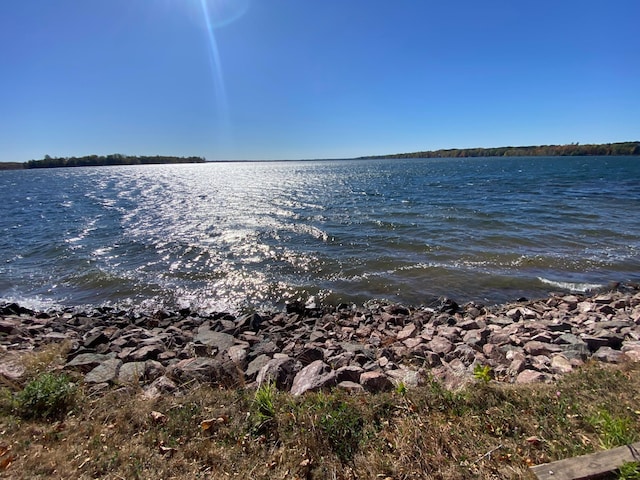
[410, 378]
[531, 376]
[94, 339]
[315, 376]
[440, 345]
[608, 355]
[218, 341]
[541, 348]
[350, 387]
[132, 372]
[406, 332]
[561, 364]
[279, 370]
[464, 353]
[148, 352]
[86, 362]
[9, 327]
[12, 369]
[106, 372]
[255, 366]
[632, 350]
[375, 382]
[206, 370]
[349, 373]
[160, 386]
[310, 355]
[595, 343]
[238, 355]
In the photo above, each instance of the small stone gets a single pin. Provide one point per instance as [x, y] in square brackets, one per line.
[350, 387]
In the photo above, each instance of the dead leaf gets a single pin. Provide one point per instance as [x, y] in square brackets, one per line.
[207, 424]
[6, 462]
[167, 450]
[534, 440]
[158, 417]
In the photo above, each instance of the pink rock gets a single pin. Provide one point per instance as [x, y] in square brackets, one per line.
[531, 376]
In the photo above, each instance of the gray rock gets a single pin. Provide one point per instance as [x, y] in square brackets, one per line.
[310, 355]
[255, 366]
[206, 370]
[410, 378]
[315, 376]
[238, 354]
[349, 373]
[407, 332]
[106, 372]
[12, 369]
[218, 341]
[561, 364]
[85, 362]
[132, 372]
[608, 355]
[148, 352]
[160, 386]
[279, 370]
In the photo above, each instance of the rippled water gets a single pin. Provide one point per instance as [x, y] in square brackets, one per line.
[230, 235]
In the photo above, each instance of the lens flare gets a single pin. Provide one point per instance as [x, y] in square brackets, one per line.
[217, 14]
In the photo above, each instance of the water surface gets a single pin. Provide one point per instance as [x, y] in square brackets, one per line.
[224, 236]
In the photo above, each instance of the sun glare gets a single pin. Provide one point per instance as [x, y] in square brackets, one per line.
[217, 14]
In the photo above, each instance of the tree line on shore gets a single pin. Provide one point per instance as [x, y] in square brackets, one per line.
[573, 149]
[113, 159]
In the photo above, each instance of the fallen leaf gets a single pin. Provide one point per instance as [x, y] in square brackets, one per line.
[167, 450]
[207, 424]
[534, 440]
[5, 462]
[158, 417]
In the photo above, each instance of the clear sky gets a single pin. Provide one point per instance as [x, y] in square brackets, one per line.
[300, 79]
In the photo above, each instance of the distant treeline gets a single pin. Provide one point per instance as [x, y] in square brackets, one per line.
[574, 149]
[101, 160]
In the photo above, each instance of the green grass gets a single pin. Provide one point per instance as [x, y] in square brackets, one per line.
[613, 431]
[48, 396]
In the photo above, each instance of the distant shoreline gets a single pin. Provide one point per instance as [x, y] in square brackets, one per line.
[574, 149]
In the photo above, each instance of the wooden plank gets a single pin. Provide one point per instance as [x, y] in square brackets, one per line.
[590, 466]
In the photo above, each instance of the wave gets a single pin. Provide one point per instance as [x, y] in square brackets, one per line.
[572, 286]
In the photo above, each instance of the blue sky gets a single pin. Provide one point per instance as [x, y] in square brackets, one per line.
[300, 79]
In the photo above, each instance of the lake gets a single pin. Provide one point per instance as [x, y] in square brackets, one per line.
[230, 236]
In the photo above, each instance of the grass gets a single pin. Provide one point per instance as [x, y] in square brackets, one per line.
[48, 396]
[487, 431]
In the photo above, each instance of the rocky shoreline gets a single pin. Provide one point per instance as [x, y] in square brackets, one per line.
[371, 348]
